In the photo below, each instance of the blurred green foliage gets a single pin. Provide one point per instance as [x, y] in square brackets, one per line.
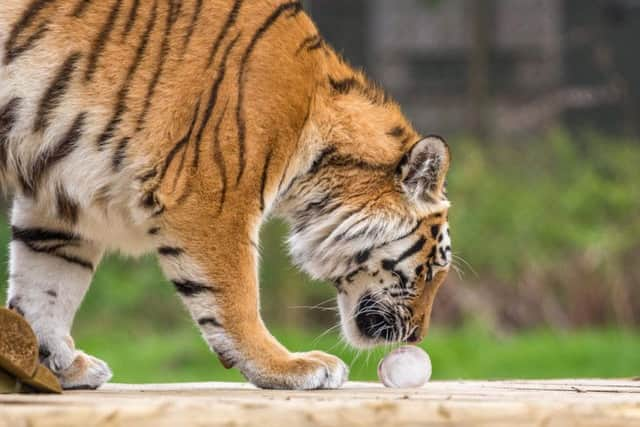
[541, 201]
[467, 353]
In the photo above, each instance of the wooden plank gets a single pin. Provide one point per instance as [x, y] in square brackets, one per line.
[478, 403]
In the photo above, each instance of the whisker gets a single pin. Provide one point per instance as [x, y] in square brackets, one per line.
[460, 258]
[337, 325]
[311, 307]
[458, 271]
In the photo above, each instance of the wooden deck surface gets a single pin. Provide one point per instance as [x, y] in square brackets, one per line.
[492, 403]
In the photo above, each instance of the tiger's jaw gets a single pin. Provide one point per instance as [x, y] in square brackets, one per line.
[372, 315]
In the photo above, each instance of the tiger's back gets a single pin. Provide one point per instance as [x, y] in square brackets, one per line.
[107, 93]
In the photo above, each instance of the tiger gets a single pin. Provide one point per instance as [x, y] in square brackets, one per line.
[178, 127]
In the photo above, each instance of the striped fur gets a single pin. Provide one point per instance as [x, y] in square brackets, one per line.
[178, 127]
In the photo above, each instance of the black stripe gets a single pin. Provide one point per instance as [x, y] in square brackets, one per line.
[231, 19]
[389, 264]
[263, 179]
[192, 25]
[80, 8]
[432, 253]
[69, 258]
[371, 92]
[318, 205]
[443, 253]
[133, 14]
[318, 161]
[178, 173]
[170, 251]
[310, 43]
[159, 211]
[417, 247]
[101, 40]
[180, 144]
[363, 256]
[349, 277]
[28, 44]
[219, 158]
[293, 6]
[317, 45]
[406, 141]
[120, 154]
[55, 92]
[397, 132]
[35, 239]
[348, 161]
[344, 86]
[174, 11]
[8, 117]
[213, 98]
[149, 200]
[14, 305]
[148, 175]
[67, 209]
[209, 321]
[41, 234]
[435, 229]
[305, 42]
[12, 51]
[50, 157]
[188, 288]
[172, 16]
[153, 231]
[328, 157]
[121, 99]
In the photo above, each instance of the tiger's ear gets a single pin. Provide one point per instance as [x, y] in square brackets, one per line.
[423, 169]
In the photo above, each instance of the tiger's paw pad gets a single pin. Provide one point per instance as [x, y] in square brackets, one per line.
[86, 372]
[306, 371]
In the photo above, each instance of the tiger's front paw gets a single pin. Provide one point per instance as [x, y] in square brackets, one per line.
[302, 371]
[86, 372]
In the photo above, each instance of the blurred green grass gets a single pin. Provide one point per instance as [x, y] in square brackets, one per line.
[466, 353]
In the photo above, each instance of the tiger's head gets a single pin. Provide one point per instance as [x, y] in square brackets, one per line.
[380, 233]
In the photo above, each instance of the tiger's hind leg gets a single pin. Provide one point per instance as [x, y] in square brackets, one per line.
[50, 271]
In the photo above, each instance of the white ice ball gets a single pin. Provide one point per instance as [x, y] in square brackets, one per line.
[405, 367]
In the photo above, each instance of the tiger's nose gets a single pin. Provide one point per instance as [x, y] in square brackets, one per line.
[372, 320]
[375, 326]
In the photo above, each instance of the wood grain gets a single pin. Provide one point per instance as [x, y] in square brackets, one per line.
[451, 403]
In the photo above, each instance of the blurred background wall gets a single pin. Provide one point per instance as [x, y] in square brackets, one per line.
[498, 67]
[540, 103]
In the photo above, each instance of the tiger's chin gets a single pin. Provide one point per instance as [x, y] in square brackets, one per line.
[358, 340]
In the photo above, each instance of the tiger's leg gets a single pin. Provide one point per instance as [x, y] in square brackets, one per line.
[215, 274]
[50, 271]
